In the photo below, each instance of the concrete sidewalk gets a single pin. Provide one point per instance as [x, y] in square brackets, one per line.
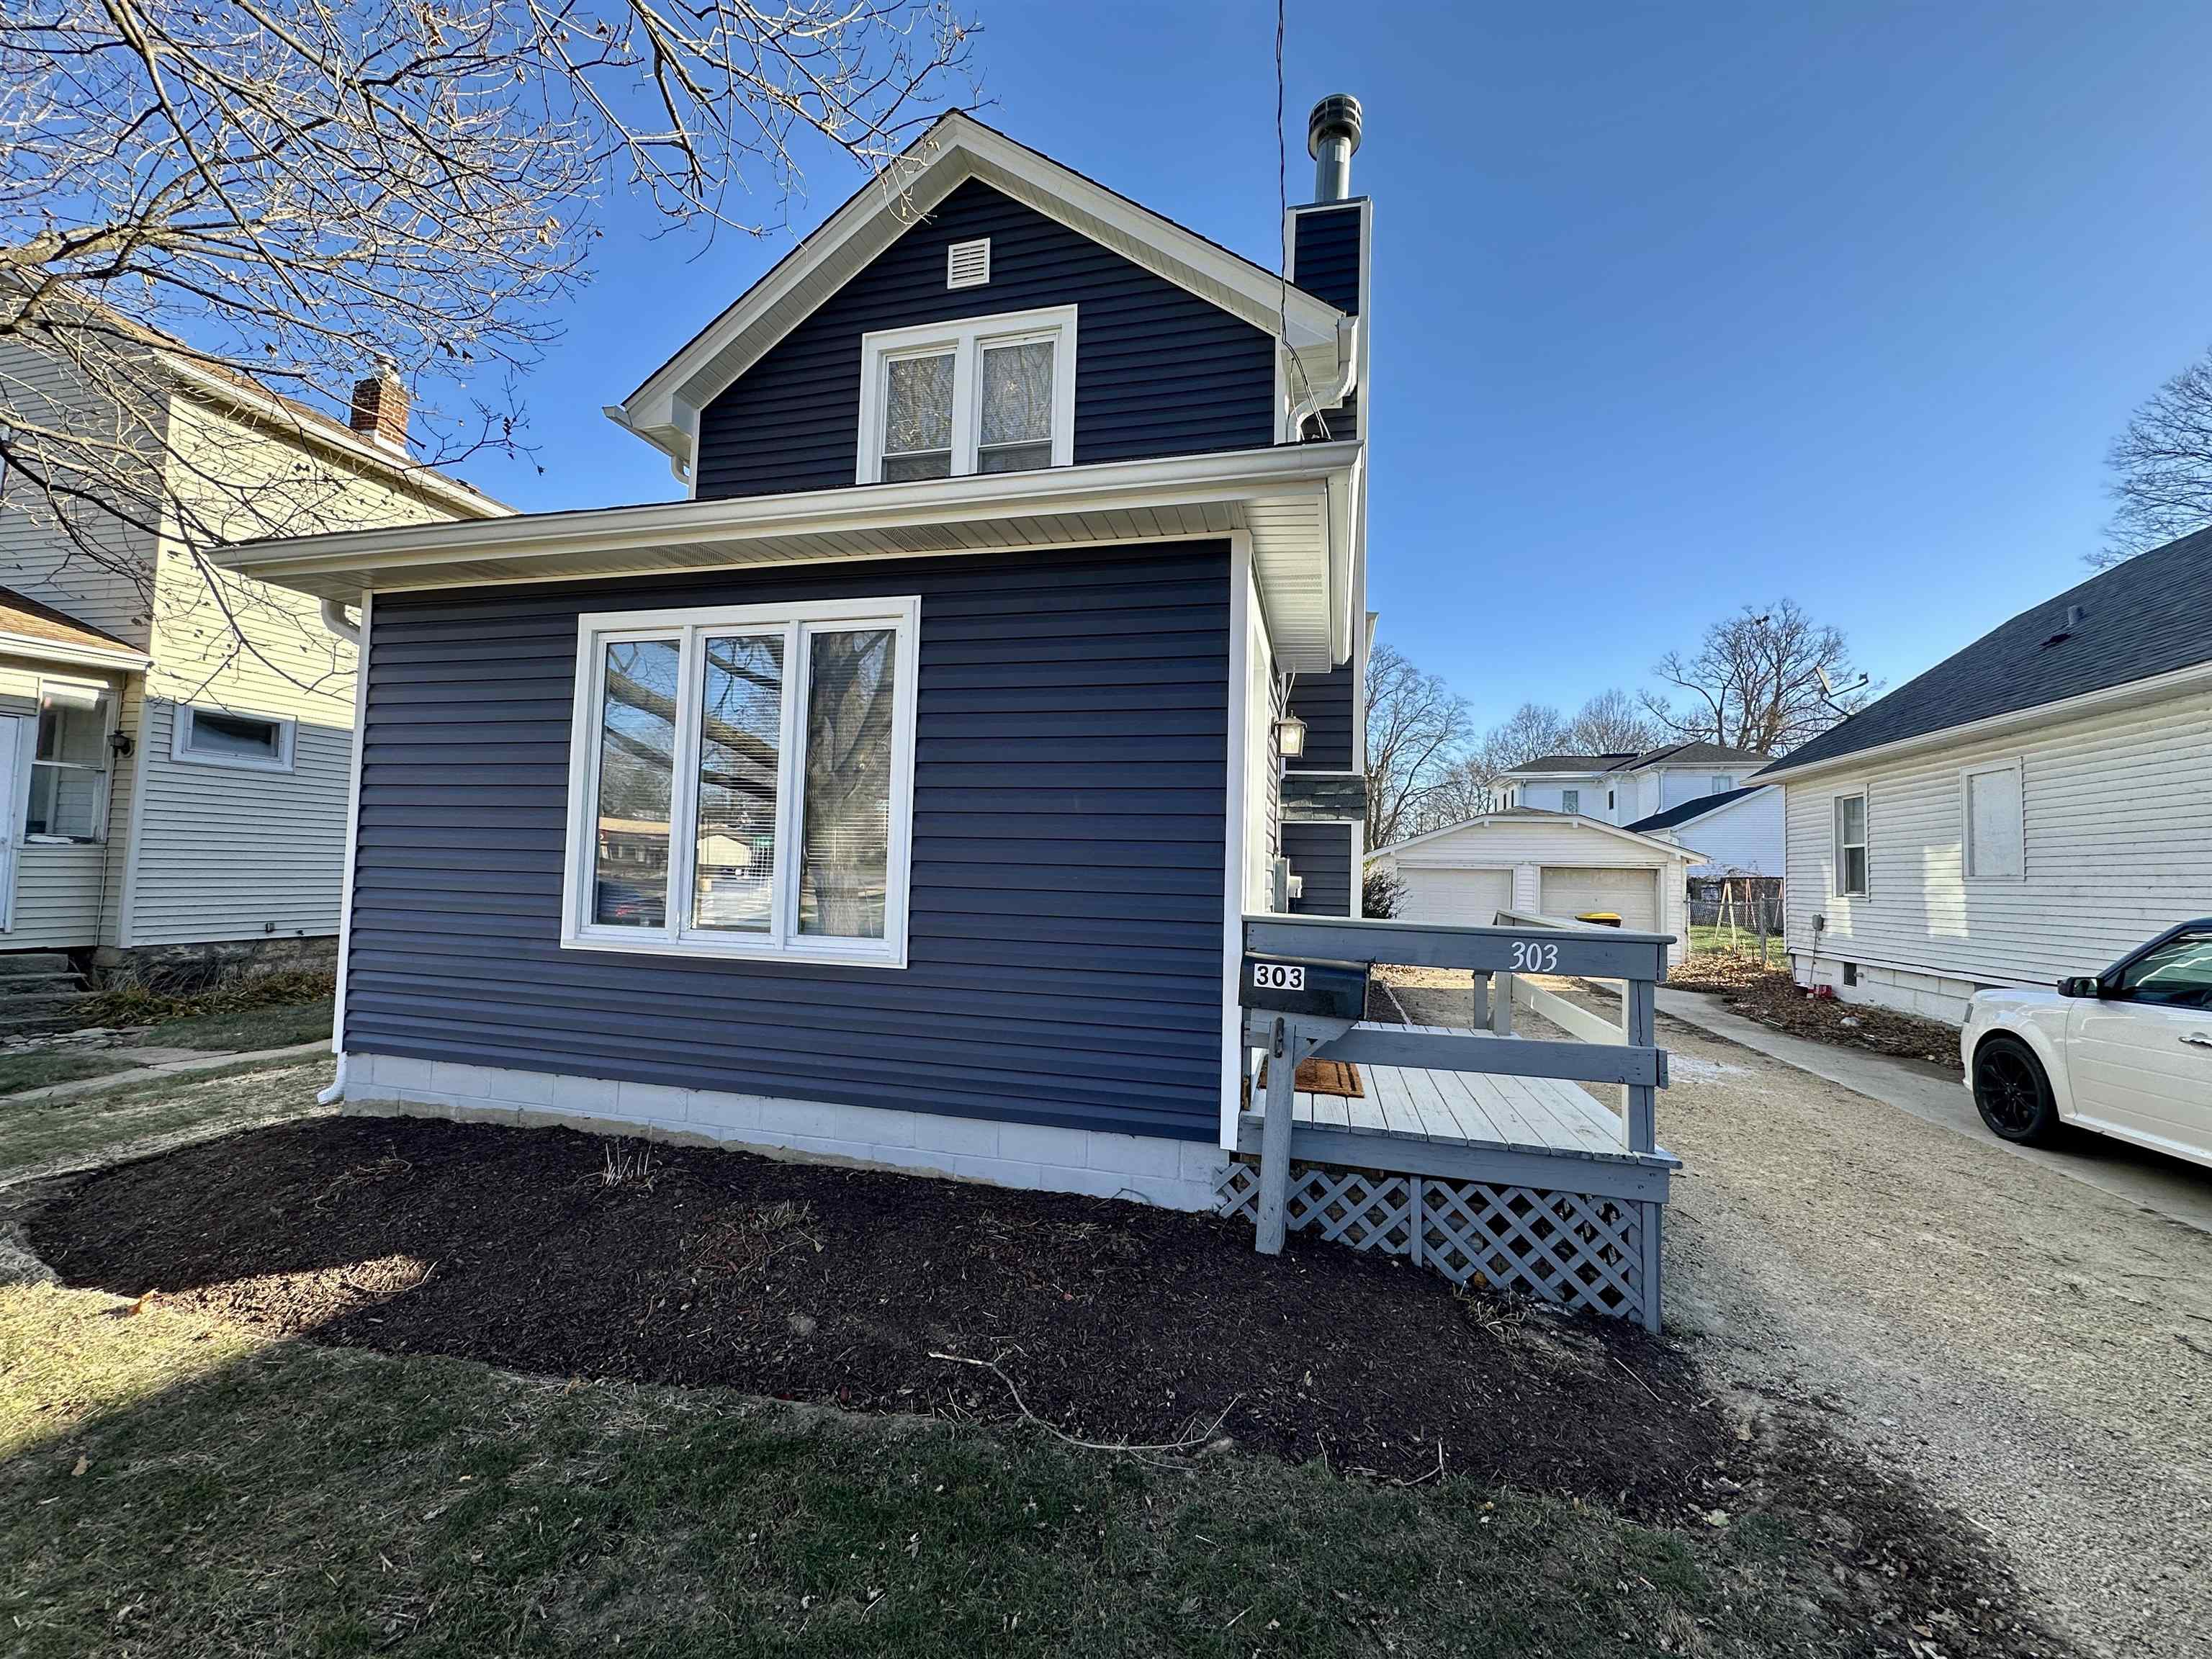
[2179, 1191]
[160, 1063]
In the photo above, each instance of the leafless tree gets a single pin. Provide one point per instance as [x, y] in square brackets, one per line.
[267, 193]
[2163, 466]
[1755, 682]
[1415, 727]
[1611, 723]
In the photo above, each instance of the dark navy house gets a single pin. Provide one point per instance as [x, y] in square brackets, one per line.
[896, 795]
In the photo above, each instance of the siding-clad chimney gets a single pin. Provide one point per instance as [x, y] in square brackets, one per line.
[380, 408]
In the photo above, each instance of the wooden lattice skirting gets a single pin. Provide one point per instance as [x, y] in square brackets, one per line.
[1575, 1248]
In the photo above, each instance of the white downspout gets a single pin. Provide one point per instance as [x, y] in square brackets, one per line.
[1347, 335]
[335, 619]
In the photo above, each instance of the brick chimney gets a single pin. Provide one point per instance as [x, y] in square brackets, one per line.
[380, 408]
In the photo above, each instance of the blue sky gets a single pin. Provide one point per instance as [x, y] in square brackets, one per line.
[1676, 308]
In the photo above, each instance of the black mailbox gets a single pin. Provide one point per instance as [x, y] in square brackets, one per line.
[1288, 984]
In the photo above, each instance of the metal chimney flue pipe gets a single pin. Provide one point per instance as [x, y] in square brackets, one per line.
[1331, 137]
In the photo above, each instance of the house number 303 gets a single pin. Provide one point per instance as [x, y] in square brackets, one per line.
[1278, 977]
[1531, 958]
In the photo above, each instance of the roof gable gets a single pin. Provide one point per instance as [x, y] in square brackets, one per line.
[2149, 616]
[1703, 807]
[957, 148]
[1539, 815]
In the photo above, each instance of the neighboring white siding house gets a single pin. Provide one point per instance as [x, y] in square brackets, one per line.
[2036, 805]
[1742, 835]
[1540, 862]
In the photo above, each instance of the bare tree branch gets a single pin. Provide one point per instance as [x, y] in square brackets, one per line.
[269, 193]
[2163, 464]
[1415, 727]
[1755, 682]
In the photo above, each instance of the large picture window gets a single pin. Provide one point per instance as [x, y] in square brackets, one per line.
[741, 782]
[979, 394]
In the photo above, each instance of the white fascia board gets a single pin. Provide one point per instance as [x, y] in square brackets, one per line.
[2174, 683]
[76, 656]
[1570, 819]
[954, 150]
[309, 563]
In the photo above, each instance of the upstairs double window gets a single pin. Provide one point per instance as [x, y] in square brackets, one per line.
[982, 394]
[741, 781]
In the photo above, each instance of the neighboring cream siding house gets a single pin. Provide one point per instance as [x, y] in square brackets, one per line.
[223, 754]
[2037, 806]
[1540, 863]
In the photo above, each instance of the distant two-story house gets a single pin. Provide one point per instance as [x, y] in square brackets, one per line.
[1621, 788]
[2034, 805]
[176, 742]
[896, 794]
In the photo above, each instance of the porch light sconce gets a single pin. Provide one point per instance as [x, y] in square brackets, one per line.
[121, 743]
[1291, 737]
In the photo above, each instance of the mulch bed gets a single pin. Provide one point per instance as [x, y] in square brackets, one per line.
[1772, 997]
[1116, 1322]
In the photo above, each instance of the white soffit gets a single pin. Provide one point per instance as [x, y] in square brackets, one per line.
[1290, 500]
[955, 149]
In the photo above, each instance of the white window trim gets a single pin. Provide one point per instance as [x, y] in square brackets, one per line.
[1836, 839]
[964, 337]
[1966, 775]
[105, 771]
[1577, 807]
[594, 630]
[182, 752]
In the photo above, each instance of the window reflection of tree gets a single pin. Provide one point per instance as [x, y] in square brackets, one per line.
[848, 805]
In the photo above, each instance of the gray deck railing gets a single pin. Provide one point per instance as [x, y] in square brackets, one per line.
[1567, 1226]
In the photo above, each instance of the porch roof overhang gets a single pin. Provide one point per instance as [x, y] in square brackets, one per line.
[1296, 503]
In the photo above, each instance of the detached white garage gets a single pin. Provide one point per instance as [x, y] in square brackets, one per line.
[1554, 864]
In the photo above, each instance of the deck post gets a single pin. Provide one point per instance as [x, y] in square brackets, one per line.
[1501, 1004]
[1479, 1020]
[1652, 1213]
[1639, 1004]
[1275, 1140]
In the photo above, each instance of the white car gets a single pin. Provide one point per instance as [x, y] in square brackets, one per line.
[2127, 1053]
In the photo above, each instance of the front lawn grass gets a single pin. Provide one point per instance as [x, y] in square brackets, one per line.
[40, 1068]
[104, 1125]
[237, 1030]
[171, 1485]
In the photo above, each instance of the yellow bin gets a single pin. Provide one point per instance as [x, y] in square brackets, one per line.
[1602, 918]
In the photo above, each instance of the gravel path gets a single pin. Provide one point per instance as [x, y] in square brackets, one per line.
[2036, 1352]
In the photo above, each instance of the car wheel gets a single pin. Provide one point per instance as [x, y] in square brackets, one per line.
[2012, 1093]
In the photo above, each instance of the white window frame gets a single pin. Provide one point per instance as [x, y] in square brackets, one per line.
[105, 771]
[1720, 783]
[182, 752]
[1573, 795]
[1865, 797]
[690, 627]
[965, 337]
[1967, 776]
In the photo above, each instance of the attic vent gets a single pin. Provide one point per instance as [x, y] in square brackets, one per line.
[967, 265]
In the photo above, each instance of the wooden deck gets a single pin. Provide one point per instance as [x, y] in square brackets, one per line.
[1481, 1126]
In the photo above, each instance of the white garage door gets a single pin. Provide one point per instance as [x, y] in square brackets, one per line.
[1469, 898]
[1631, 895]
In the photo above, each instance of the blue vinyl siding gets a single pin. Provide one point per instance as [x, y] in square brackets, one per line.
[1321, 857]
[1158, 370]
[1325, 244]
[1325, 249]
[1065, 962]
[1323, 701]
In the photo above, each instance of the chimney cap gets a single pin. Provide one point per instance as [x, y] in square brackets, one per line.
[1336, 116]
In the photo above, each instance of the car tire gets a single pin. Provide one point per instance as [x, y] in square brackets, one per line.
[2013, 1093]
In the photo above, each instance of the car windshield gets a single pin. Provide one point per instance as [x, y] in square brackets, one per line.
[2177, 972]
